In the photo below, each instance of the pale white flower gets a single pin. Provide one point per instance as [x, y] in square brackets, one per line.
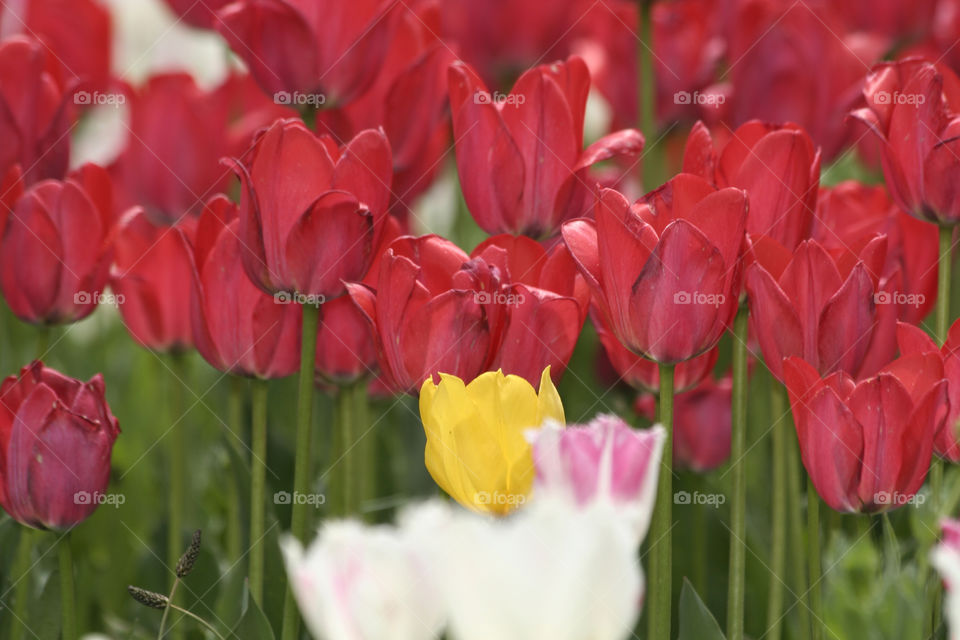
[946, 559]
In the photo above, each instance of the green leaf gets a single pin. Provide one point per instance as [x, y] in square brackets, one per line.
[253, 624]
[696, 621]
[44, 614]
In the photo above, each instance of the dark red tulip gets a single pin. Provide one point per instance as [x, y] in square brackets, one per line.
[35, 113]
[777, 165]
[792, 62]
[913, 341]
[152, 278]
[171, 171]
[346, 345]
[197, 14]
[78, 49]
[331, 49]
[56, 249]
[56, 436]
[701, 423]
[522, 165]
[831, 312]
[665, 272]
[237, 328]
[500, 39]
[643, 374]
[312, 213]
[867, 445]
[546, 302]
[850, 214]
[432, 310]
[409, 100]
[911, 110]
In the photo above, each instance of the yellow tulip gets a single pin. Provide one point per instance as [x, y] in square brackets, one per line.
[476, 448]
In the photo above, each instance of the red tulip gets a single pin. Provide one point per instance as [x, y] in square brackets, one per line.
[792, 62]
[665, 272]
[910, 110]
[346, 345]
[521, 160]
[56, 436]
[237, 328]
[197, 14]
[35, 114]
[312, 213]
[332, 48]
[778, 167]
[643, 374]
[152, 278]
[831, 312]
[850, 214]
[432, 310]
[502, 38]
[171, 171]
[546, 304]
[409, 100]
[867, 445]
[78, 49]
[56, 250]
[913, 341]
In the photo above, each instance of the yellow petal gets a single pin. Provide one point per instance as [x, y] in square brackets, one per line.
[549, 404]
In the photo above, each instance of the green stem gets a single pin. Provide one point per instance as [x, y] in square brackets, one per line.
[813, 559]
[166, 611]
[366, 451]
[738, 437]
[700, 544]
[198, 619]
[661, 558]
[301, 466]
[43, 341]
[21, 568]
[258, 480]
[68, 602]
[797, 542]
[778, 513]
[647, 97]
[176, 462]
[234, 539]
[343, 455]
